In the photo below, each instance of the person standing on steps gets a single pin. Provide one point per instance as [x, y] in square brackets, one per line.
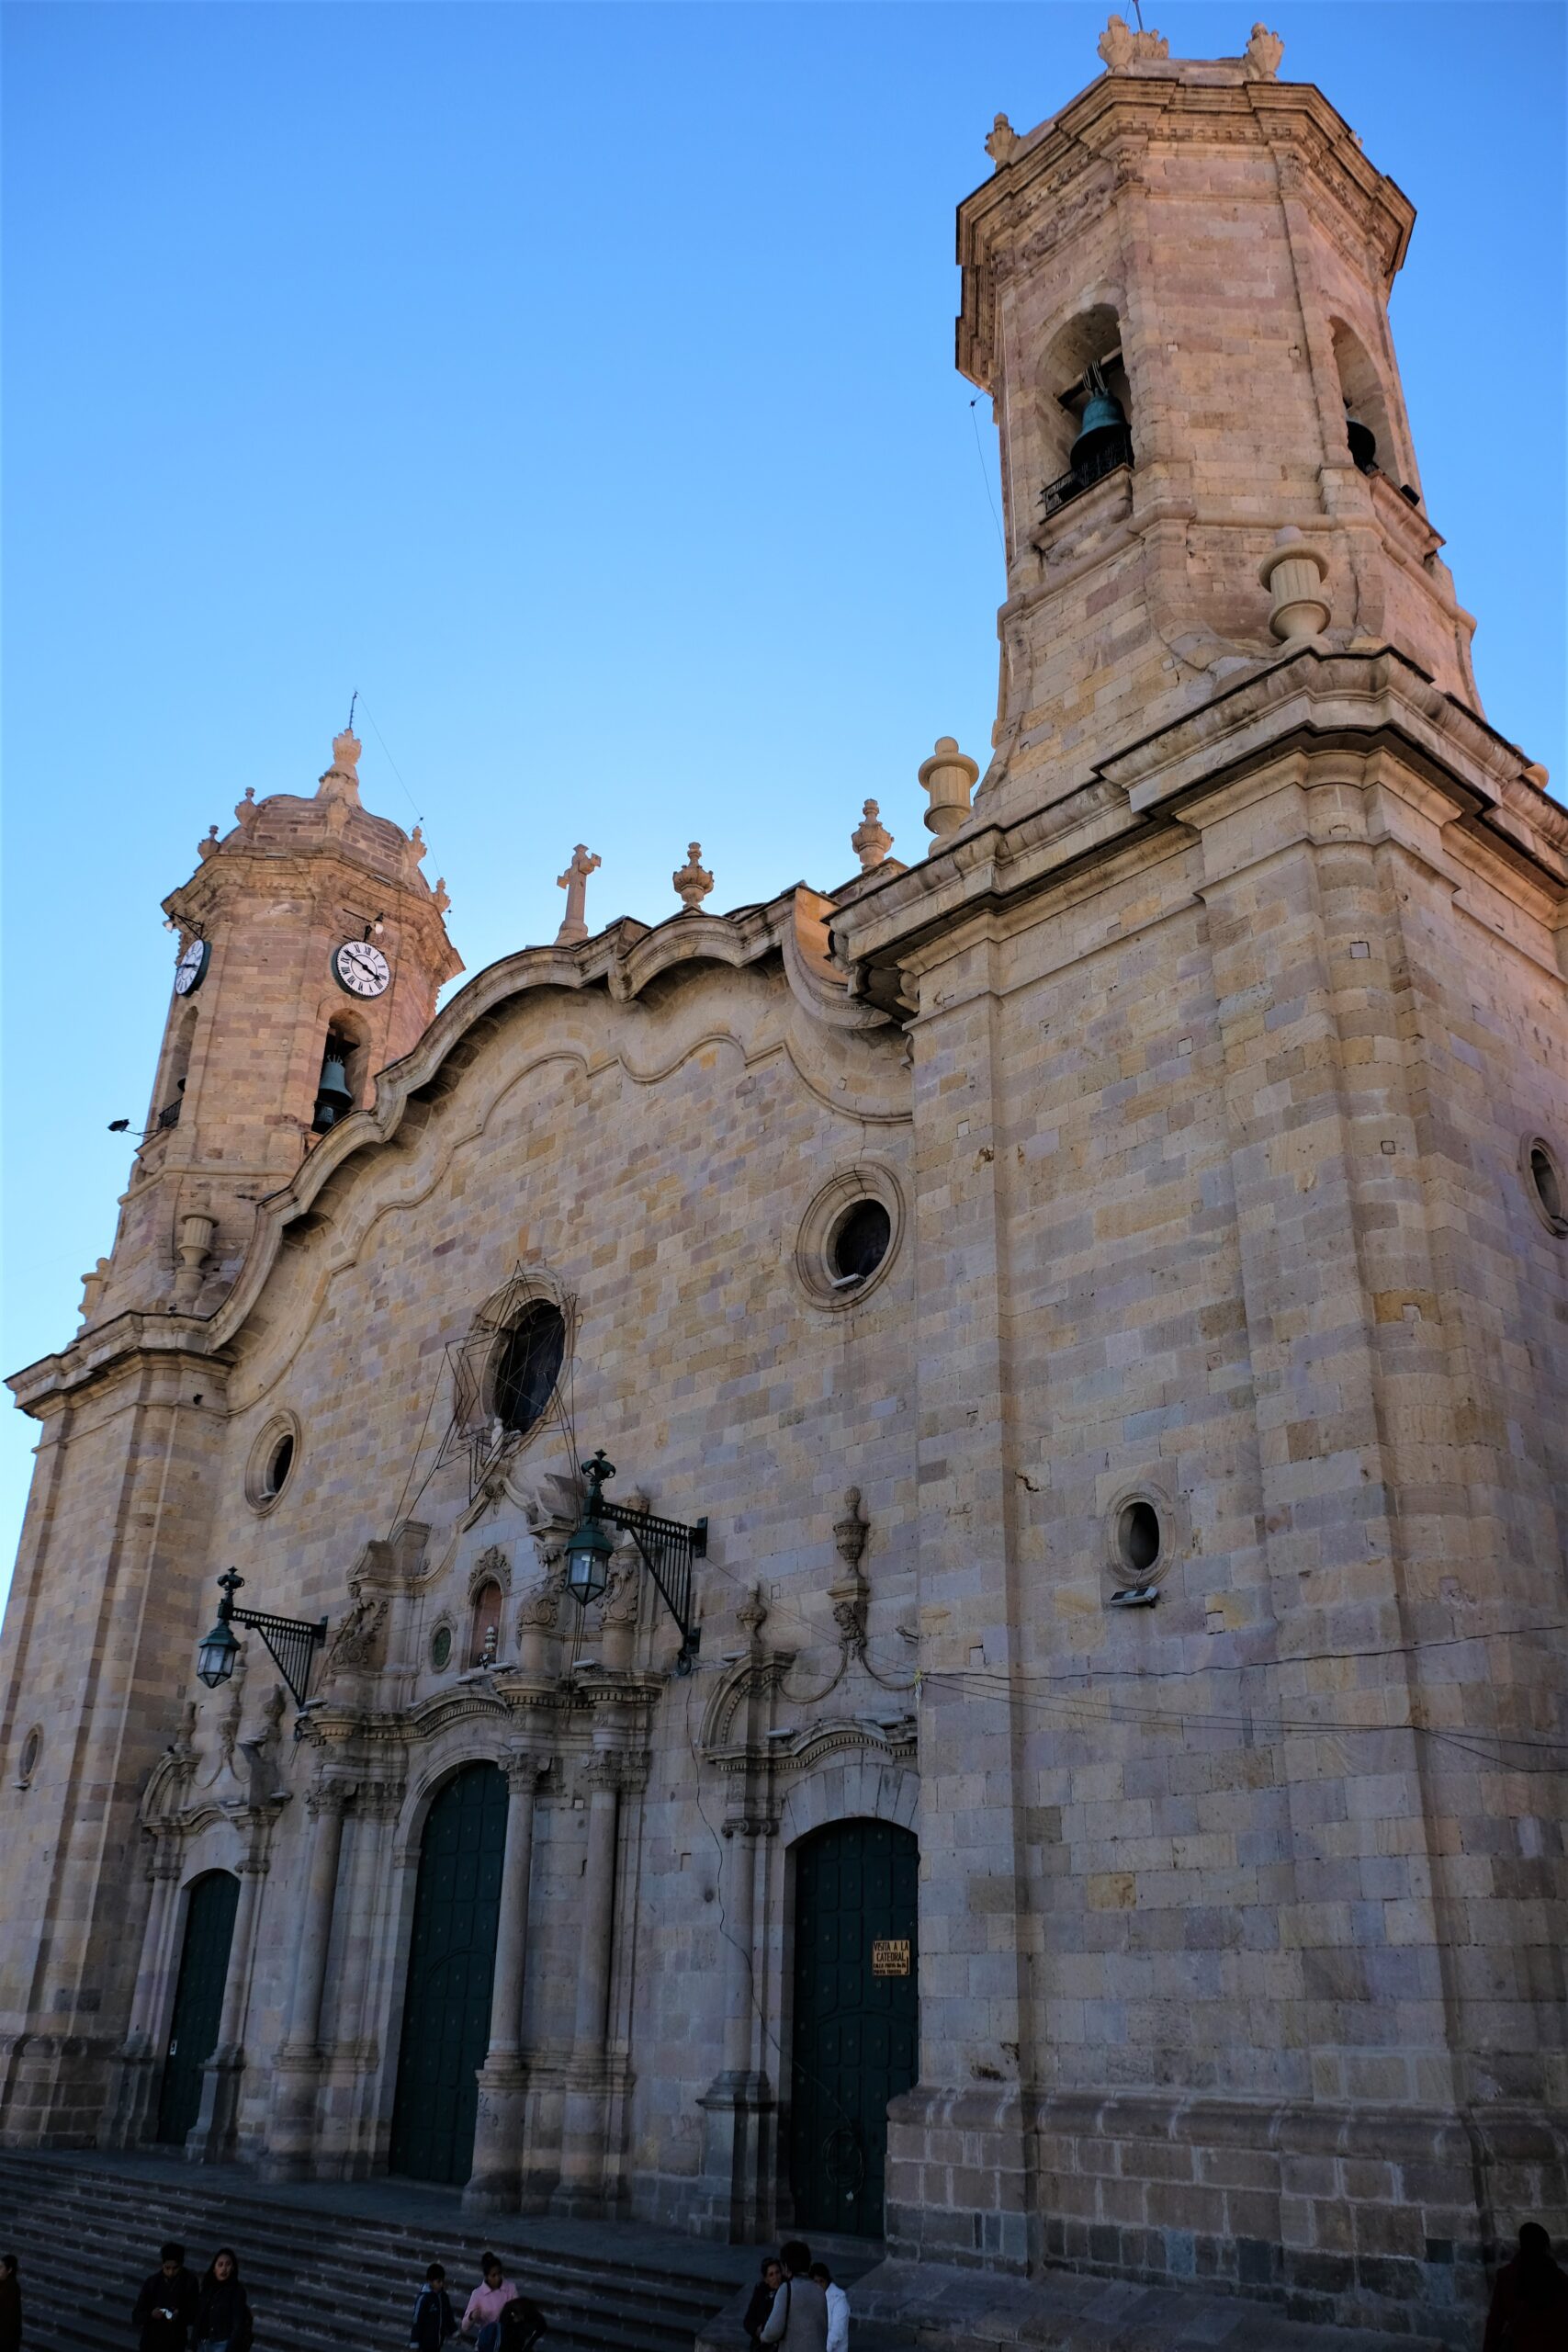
[482, 2320]
[799, 2318]
[10, 2305]
[434, 2318]
[1529, 2301]
[765, 2294]
[838, 2309]
[166, 2309]
[223, 2313]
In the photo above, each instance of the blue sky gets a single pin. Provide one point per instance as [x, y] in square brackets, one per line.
[577, 383]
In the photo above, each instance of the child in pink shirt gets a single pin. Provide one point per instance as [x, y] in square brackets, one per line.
[482, 2320]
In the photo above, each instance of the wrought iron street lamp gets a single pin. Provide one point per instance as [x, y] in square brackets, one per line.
[667, 1549]
[291, 1641]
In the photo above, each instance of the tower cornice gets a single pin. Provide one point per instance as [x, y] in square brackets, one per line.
[1068, 166]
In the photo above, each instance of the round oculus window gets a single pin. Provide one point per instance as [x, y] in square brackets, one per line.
[27, 1763]
[441, 1648]
[527, 1366]
[275, 1475]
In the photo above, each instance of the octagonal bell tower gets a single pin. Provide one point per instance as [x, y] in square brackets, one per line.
[311, 952]
[1176, 291]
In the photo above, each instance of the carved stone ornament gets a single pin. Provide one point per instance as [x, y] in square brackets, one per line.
[356, 1645]
[1120, 46]
[871, 840]
[1000, 146]
[693, 882]
[623, 1590]
[492, 1567]
[850, 1532]
[540, 1608]
[1263, 53]
[751, 1616]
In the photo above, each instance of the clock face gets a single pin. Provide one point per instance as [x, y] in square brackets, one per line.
[360, 968]
[191, 969]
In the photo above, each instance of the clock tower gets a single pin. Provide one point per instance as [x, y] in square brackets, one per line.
[311, 952]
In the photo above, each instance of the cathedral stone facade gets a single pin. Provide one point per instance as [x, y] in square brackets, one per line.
[1087, 1309]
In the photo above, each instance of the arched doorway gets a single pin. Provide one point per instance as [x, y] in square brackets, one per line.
[198, 2000]
[856, 2037]
[451, 1962]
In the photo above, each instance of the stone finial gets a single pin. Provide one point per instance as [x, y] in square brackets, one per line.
[1263, 53]
[1003, 141]
[439, 899]
[850, 1532]
[871, 840]
[691, 883]
[574, 882]
[245, 810]
[1534, 774]
[1293, 571]
[1120, 46]
[196, 1240]
[93, 1288]
[209, 848]
[341, 781]
[948, 777]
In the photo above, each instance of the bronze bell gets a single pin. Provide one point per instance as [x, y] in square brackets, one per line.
[334, 1101]
[1102, 439]
[1363, 442]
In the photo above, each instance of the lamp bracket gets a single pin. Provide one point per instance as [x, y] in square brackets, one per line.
[292, 1642]
[667, 1549]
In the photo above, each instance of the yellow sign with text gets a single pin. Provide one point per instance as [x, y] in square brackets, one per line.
[890, 1956]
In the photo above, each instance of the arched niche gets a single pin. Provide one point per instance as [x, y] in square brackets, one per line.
[1093, 338]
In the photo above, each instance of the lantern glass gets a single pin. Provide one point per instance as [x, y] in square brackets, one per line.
[215, 1659]
[587, 1562]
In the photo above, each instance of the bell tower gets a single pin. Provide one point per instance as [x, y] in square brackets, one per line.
[1176, 291]
[311, 952]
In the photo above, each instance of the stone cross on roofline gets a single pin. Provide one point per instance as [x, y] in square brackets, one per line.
[574, 882]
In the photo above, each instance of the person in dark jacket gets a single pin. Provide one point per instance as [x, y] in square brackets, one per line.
[764, 2295]
[166, 2309]
[1529, 2301]
[223, 2313]
[10, 2305]
[523, 2326]
[434, 2318]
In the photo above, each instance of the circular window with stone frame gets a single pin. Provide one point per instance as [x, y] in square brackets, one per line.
[440, 1647]
[27, 1756]
[1545, 1183]
[1143, 1535]
[850, 1235]
[271, 1463]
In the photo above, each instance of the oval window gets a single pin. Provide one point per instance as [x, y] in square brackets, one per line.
[527, 1366]
[279, 1465]
[32, 1748]
[1137, 1535]
[441, 1648]
[1548, 1187]
[859, 1243]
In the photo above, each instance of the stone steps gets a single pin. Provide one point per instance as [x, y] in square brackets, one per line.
[87, 2237]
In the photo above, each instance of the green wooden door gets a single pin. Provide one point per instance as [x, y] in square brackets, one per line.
[856, 2030]
[451, 1963]
[198, 2000]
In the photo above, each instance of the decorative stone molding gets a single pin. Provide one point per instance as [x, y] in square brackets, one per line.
[492, 1567]
[358, 1645]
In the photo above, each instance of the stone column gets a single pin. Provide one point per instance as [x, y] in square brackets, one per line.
[212, 2136]
[736, 2204]
[127, 2122]
[494, 2185]
[296, 2066]
[581, 2189]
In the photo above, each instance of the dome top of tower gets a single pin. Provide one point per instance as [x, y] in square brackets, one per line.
[332, 818]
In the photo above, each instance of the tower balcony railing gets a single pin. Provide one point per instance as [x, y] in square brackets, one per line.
[1114, 451]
